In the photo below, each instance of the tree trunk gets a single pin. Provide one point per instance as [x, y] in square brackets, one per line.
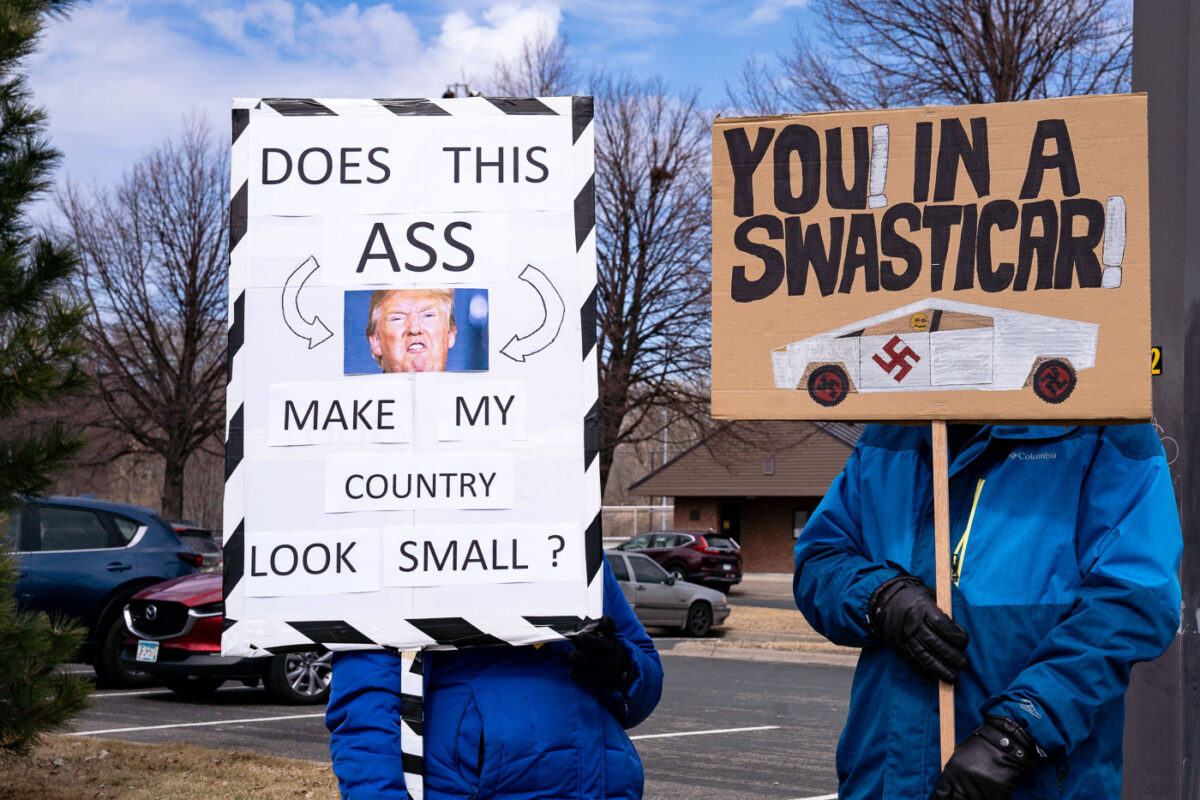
[172, 487]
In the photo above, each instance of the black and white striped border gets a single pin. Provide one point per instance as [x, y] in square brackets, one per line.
[439, 633]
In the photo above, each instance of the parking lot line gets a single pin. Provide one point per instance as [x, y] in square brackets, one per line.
[819, 797]
[196, 724]
[159, 690]
[704, 733]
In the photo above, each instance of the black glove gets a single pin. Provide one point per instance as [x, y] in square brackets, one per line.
[905, 615]
[598, 658]
[988, 764]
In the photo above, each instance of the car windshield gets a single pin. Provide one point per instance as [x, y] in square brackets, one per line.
[721, 543]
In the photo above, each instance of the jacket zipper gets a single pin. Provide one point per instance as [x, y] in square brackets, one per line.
[959, 558]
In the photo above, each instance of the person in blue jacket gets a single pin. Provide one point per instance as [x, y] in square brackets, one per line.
[539, 721]
[1066, 546]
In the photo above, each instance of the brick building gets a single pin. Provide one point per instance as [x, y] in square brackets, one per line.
[756, 481]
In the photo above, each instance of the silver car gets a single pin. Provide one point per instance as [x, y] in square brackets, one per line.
[658, 600]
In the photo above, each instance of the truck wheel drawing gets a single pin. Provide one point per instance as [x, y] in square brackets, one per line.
[937, 344]
[1053, 380]
[828, 384]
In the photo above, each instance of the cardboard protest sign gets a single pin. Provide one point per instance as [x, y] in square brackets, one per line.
[412, 367]
[986, 262]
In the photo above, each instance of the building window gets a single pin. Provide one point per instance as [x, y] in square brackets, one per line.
[769, 465]
[694, 514]
[799, 519]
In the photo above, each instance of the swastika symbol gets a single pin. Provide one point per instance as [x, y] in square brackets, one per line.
[900, 358]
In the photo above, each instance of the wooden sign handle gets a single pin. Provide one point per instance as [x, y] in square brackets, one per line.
[941, 535]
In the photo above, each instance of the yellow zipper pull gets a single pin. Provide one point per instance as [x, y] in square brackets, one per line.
[958, 559]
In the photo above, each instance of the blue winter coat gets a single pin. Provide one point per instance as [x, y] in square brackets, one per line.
[1068, 577]
[500, 722]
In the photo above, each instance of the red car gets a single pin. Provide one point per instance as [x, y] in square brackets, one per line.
[175, 634]
[708, 558]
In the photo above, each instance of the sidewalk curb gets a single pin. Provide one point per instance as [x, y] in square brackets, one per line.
[693, 649]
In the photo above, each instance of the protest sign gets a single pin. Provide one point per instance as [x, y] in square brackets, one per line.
[986, 262]
[411, 440]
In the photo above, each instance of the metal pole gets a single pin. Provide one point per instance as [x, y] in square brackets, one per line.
[1162, 730]
[666, 440]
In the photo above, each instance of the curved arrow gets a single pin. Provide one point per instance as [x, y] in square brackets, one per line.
[521, 347]
[313, 331]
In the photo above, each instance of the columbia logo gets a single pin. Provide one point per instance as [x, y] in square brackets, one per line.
[1033, 456]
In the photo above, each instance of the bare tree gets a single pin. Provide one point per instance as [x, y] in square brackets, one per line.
[653, 245]
[541, 69]
[880, 53]
[653, 248]
[155, 258]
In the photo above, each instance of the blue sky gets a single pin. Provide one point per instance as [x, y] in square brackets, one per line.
[118, 76]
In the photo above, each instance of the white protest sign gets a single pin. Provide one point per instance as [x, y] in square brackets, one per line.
[412, 374]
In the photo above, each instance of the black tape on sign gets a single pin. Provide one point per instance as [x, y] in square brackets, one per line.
[587, 322]
[233, 551]
[241, 118]
[237, 334]
[334, 631]
[585, 212]
[233, 443]
[593, 547]
[591, 435]
[520, 105]
[454, 632]
[298, 107]
[564, 624]
[239, 207]
[413, 107]
[582, 110]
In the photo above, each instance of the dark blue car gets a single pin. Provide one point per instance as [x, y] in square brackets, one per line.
[85, 558]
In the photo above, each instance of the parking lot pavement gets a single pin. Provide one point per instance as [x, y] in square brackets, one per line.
[763, 589]
[729, 728]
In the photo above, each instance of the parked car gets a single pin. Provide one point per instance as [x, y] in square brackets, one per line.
[84, 558]
[709, 558]
[659, 599]
[200, 539]
[175, 635]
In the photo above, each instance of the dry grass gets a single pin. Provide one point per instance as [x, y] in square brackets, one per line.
[752, 619]
[73, 768]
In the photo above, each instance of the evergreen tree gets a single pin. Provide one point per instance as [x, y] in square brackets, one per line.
[40, 344]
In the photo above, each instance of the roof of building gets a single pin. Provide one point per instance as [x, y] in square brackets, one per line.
[772, 458]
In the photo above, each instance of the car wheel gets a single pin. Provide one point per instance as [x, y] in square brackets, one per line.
[677, 572]
[1054, 380]
[828, 384]
[194, 686]
[699, 619]
[111, 671]
[296, 678]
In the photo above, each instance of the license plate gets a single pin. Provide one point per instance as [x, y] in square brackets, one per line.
[147, 651]
[726, 566]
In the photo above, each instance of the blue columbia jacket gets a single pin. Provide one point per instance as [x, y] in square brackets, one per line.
[500, 722]
[1067, 547]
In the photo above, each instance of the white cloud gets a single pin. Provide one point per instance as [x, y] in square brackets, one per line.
[118, 76]
[770, 10]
